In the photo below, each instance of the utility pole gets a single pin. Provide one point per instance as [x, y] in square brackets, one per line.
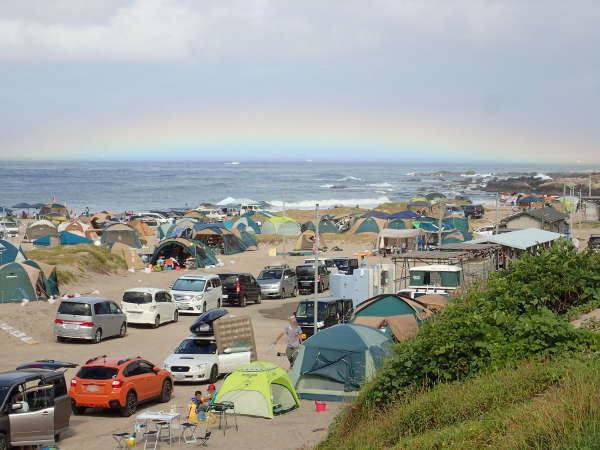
[590, 186]
[497, 214]
[316, 255]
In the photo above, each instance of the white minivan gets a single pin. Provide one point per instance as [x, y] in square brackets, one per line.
[150, 306]
[196, 294]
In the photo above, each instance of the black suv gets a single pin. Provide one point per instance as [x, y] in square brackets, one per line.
[594, 242]
[331, 312]
[240, 288]
[305, 274]
[473, 211]
[346, 265]
[34, 405]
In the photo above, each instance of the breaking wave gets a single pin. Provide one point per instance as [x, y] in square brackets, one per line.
[330, 203]
[350, 179]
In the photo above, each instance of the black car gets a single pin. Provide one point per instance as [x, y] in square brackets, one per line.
[305, 274]
[331, 311]
[34, 404]
[346, 265]
[594, 242]
[473, 211]
[240, 288]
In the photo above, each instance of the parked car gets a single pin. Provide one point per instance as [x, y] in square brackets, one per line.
[278, 282]
[89, 318]
[9, 228]
[486, 231]
[346, 265]
[305, 274]
[34, 406]
[331, 311]
[455, 210]
[240, 288]
[119, 383]
[156, 216]
[329, 264]
[473, 211]
[150, 306]
[212, 214]
[197, 359]
[197, 294]
[594, 242]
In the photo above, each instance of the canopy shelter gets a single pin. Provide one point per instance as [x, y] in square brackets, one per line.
[259, 389]
[10, 253]
[185, 249]
[56, 210]
[49, 276]
[307, 240]
[64, 238]
[40, 228]
[334, 363]
[129, 255]
[20, 281]
[402, 240]
[120, 232]
[281, 225]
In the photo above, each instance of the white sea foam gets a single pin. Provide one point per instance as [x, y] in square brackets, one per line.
[350, 178]
[477, 175]
[380, 185]
[542, 176]
[327, 186]
[329, 203]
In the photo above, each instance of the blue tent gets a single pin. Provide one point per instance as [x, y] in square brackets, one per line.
[377, 214]
[65, 238]
[404, 215]
[9, 253]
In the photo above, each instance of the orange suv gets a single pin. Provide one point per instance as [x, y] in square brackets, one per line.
[119, 383]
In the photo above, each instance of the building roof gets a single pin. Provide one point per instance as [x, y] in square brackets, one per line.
[400, 234]
[547, 215]
[522, 239]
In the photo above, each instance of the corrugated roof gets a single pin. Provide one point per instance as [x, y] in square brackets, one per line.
[547, 215]
[522, 239]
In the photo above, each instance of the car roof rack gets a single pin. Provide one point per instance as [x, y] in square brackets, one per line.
[95, 358]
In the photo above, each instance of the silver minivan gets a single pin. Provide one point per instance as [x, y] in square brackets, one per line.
[89, 318]
[278, 282]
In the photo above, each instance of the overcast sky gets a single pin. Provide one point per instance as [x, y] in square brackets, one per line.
[526, 72]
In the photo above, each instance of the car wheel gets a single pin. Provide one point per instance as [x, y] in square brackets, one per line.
[282, 296]
[165, 393]
[259, 298]
[156, 323]
[203, 307]
[175, 316]
[243, 301]
[77, 410]
[214, 374]
[57, 437]
[131, 404]
[3, 442]
[98, 336]
[219, 303]
[60, 339]
[123, 330]
[295, 292]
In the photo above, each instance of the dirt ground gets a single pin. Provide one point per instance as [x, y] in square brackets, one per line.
[302, 428]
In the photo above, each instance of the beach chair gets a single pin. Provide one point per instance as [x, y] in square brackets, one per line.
[120, 440]
[204, 439]
[151, 438]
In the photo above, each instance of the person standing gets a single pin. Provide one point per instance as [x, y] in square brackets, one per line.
[292, 333]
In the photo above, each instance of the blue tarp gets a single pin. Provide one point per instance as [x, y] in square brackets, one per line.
[65, 238]
[404, 215]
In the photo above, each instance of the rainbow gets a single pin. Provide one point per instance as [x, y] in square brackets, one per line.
[298, 135]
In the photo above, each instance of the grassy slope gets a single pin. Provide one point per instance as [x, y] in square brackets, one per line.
[540, 405]
[74, 261]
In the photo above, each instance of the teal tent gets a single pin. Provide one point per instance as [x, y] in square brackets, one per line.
[327, 226]
[10, 253]
[181, 249]
[49, 276]
[334, 363]
[396, 224]
[64, 238]
[368, 225]
[20, 281]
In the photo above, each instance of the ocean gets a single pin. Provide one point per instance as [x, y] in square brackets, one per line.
[140, 186]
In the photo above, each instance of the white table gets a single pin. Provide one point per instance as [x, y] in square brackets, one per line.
[159, 417]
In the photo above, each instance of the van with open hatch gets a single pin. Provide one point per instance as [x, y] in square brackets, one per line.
[34, 406]
[196, 294]
[89, 318]
[149, 306]
[331, 311]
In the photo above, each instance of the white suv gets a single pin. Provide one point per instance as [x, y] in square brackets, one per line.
[197, 294]
[212, 214]
[150, 306]
[198, 359]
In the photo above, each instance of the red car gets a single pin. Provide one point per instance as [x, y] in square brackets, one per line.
[119, 383]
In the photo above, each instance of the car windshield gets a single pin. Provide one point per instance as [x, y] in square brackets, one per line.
[185, 284]
[97, 373]
[305, 311]
[341, 263]
[137, 297]
[197, 347]
[270, 274]
[228, 278]
[75, 309]
[305, 271]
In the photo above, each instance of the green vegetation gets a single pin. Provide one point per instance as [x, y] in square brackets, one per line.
[74, 261]
[461, 382]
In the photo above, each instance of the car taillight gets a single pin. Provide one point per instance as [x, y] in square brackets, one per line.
[117, 383]
[73, 382]
[237, 287]
[86, 324]
[59, 321]
[318, 277]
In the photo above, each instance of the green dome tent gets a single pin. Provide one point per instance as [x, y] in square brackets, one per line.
[368, 225]
[334, 363]
[48, 274]
[327, 226]
[257, 387]
[396, 224]
[19, 281]
[182, 249]
[119, 232]
[308, 226]
[281, 225]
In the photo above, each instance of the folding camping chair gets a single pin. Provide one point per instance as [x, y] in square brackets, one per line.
[120, 440]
